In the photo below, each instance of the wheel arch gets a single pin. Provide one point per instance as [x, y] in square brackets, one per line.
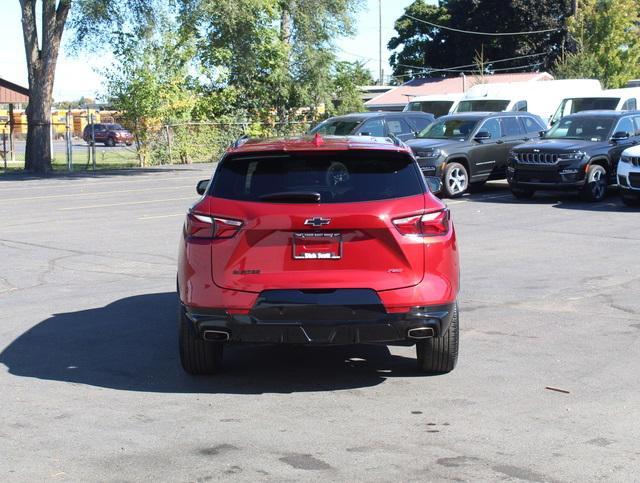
[457, 158]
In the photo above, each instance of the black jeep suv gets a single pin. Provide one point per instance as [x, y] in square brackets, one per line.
[472, 148]
[580, 152]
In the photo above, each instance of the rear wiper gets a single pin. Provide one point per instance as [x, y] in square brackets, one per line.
[293, 197]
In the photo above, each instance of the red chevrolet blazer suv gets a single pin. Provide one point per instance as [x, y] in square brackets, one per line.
[312, 240]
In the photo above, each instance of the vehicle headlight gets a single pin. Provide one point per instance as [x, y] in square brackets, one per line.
[429, 154]
[571, 156]
[625, 159]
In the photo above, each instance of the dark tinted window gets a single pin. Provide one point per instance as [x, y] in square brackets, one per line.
[449, 129]
[583, 127]
[372, 127]
[397, 125]
[629, 105]
[337, 178]
[484, 105]
[521, 106]
[337, 127]
[531, 125]
[437, 108]
[420, 122]
[492, 127]
[625, 125]
[510, 126]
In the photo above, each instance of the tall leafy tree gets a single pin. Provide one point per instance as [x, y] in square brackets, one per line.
[90, 19]
[277, 54]
[606, 32]
[420, 46]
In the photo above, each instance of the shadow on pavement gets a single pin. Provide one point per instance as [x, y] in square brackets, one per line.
[131, 344]
[565, 200]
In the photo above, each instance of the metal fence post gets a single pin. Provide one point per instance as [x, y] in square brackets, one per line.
[68, 139]
[169, 143]
[93, 141]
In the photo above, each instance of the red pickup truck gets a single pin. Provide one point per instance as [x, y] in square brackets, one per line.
[109, 134]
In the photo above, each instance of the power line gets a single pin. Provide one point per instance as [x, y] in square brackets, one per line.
[491, 34]
[457, 68]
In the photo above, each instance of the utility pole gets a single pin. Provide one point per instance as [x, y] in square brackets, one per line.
[381, 80]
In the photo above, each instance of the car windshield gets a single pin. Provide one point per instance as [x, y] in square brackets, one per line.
[594, 104]
[336, 127]
[115, 127]
[437, 108]
[311, 178]
[450, 129]
[483, 105]
[583, 127]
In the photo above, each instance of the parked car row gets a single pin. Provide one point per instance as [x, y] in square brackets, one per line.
[581, 152]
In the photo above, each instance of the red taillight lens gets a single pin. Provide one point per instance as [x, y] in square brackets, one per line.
[204, 226]
[427, 224]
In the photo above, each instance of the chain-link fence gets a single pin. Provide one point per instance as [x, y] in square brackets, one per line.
[183, 143]
[197, 142]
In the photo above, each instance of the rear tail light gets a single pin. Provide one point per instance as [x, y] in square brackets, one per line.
[426, 224]
[204, 226]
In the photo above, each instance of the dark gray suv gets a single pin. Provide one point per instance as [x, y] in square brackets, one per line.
[402, 125]
[471, 148]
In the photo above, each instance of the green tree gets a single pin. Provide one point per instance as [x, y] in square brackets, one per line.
[421, 46]
[348, 77]
[276, 54]
[151, 84]
[606, 33]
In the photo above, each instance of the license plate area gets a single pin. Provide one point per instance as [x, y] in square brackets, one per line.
[317, 246]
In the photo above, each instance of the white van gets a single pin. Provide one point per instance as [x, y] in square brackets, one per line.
[626, 99]
[437, 104]
[539, 97]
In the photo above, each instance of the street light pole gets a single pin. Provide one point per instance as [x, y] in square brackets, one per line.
[381, 81]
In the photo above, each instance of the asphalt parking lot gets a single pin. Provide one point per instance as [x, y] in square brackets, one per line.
[92, 389]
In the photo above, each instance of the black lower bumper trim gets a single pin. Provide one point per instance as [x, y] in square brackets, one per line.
[383, 328]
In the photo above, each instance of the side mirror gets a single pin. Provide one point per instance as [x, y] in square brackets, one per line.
[434, 183]
[482, 136]
[542, 133]
[366, 133]
[619, 136]
[201, 187]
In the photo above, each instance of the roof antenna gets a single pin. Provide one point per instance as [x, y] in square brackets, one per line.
[317, 140]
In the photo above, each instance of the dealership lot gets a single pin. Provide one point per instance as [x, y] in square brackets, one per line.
[92, 388]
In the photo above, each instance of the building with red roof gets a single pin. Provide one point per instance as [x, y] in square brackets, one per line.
[398, 97]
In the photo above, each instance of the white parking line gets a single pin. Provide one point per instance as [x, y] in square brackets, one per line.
[89, 207]
[160, 216]
[97, 193]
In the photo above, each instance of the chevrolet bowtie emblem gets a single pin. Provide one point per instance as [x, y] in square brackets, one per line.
[317, 221]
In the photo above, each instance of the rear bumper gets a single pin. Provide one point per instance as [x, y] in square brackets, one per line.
[321, 324]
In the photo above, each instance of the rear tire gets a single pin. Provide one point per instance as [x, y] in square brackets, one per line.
[197, 355]
[456, 180]
[522, 194]
[439, 355]
[595, 189]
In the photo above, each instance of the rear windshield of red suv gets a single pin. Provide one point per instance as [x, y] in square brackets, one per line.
[341, 177]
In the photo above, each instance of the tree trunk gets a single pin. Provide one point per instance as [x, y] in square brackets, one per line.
[41, 67]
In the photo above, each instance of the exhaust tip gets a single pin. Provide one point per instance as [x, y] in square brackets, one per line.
[420, 333]
[215, 335]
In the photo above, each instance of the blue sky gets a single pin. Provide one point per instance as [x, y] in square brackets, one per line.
[78, 76]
